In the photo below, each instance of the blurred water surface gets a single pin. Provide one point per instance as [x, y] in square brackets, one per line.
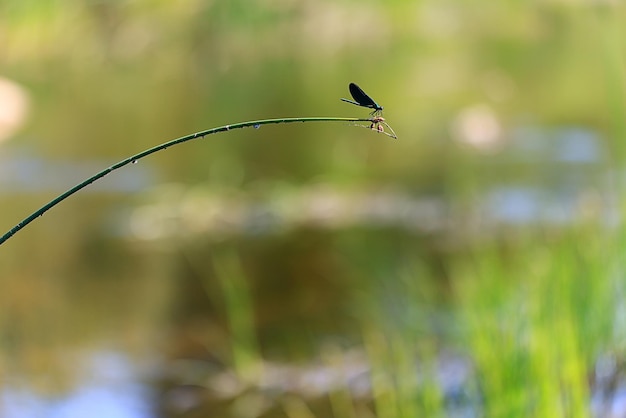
[255, 249]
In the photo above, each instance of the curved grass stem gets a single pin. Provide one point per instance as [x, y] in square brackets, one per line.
[133, 159]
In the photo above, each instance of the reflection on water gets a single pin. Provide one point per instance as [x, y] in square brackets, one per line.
[564, 178]
[569, 145]
[114, 386]
[25, 172]
[110, 387]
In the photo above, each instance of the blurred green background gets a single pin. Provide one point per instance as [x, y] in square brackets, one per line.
[470, 268]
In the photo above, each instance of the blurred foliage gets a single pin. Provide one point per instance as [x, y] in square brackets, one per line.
[150, 71]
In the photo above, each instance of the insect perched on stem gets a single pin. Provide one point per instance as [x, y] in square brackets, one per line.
[362, 99]
[376, 124]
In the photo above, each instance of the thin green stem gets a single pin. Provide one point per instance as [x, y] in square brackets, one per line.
[137, 157]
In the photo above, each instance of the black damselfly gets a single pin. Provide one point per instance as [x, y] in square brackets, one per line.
[362, 99]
